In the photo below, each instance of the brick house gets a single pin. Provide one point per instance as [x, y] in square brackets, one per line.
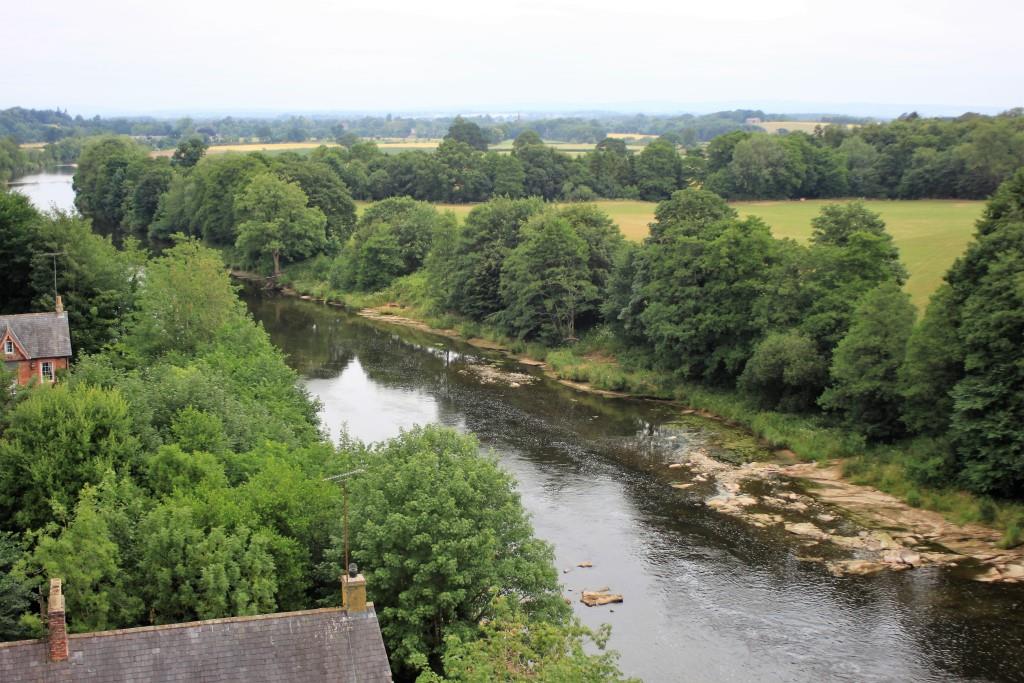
[334, 644]
[35, 345]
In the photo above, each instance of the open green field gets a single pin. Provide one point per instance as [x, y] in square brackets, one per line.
[930, 234]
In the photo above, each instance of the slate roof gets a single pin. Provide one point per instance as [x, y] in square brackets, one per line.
[42, 335]
[315, 645]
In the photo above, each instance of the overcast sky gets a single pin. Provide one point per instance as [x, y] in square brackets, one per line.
[104, 56]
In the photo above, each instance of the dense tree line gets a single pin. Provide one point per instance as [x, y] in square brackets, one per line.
[178, 472]
[910, 158]
[822, 330]
[118, 186]
[31, 125]
[16, 161]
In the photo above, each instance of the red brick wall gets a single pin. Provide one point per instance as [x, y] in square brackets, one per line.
[26, 373]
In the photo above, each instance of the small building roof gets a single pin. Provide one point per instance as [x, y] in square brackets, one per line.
[42, 335]
[314, 645]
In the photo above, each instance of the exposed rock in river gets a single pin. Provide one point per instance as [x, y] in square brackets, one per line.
[883, 533]
[599, 597]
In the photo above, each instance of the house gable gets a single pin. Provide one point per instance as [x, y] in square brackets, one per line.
[18, 350]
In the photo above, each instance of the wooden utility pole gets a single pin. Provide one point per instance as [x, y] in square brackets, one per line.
[344, 493]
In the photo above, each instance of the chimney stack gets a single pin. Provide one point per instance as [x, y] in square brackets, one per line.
[353, 590]
[60, 304]
[56, 624]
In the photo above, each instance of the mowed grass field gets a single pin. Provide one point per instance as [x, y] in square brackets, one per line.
[930, 234]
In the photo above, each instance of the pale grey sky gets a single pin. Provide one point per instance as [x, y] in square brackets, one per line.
[110, 56]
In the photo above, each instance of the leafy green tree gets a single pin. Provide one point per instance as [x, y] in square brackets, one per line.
[490, 233]
[987, 286]
[851, 253]
[325, 191]
[185, 298]
[545, 283]
[15, 591]
[374, 258]
[865, 387]
[439, 531]
[466, 178]
[697, 209]
[172, 470]
[18, 234]
[506, 175]
[202, 204]
[699, 278]
[611, 167]
[199, 572]
[276, 222]
[510, 647]
[189, 152]
[603, 239]
[762, 167]
[786, 371]
[97, 281]
[545, 169]
[148, 180]
[658, 170]
[58, 440]
[101, 180]
[837, 223]
[933, 366]
[860, 158]
[88, 558]
[467, 132]
[392, 239]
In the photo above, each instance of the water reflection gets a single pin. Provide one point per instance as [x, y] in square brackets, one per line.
[706, 598]
[49, 190]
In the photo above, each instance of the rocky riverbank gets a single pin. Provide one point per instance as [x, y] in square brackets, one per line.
[851, 529]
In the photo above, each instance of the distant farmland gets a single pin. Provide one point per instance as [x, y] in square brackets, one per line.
[254, 147]
[930, 234]
[794, 126]
[634, 142]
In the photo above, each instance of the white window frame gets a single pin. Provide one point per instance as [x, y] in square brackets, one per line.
[42, 371]
[9, 347]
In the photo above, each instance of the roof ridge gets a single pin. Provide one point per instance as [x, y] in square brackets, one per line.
[205, 622]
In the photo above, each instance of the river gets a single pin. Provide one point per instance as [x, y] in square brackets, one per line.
[707, 598]
[48, 190]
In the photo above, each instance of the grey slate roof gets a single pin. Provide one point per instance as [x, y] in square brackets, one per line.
[315, 645]
[43, 335]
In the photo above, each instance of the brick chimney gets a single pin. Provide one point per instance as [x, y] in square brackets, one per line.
[353, 590]
[55, 623]
[60, 304]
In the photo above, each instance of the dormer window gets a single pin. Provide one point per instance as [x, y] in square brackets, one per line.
[8, 347]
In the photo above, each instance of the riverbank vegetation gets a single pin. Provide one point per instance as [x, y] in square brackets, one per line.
[814, 346]
[178, 472]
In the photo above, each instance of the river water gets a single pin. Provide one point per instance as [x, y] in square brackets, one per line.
[707, 598]
[48, 190]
